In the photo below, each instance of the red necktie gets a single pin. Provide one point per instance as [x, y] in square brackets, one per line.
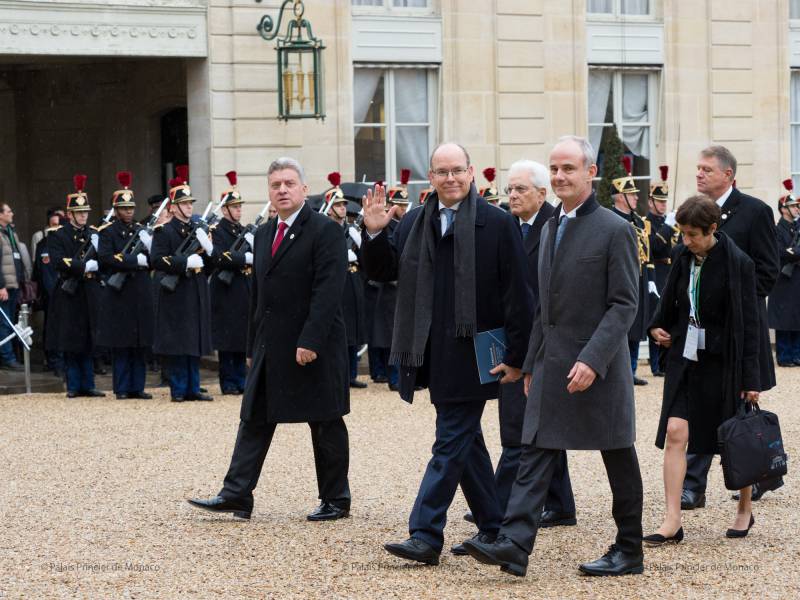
[282, 227]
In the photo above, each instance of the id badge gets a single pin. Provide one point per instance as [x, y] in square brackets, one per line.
[692, 341]
[701, 339]
[17, 256]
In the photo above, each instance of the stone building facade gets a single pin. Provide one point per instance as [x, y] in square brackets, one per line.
[98, 86]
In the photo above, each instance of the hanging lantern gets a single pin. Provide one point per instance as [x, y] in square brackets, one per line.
[300, 82]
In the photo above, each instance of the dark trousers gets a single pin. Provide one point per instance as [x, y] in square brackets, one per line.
[129, 370]
[633, 346]
[184, 376]
[787, 346]
[79, 370]
[528, 495]
[352, 352]
[331, 458]
[232, 371]
[559, 493]
[697, 466]
[459, 457]
[379, 365]
[655, 356]
[7, 355]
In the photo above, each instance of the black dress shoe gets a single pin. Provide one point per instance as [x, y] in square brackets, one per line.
[202, 396]
[614, 562]
[787, 364]
[551, 518]
[122, 396]
[72, 394]
[740, 533]
[93, 394]
[355, 383]
[328, 512]
[381, 379]
[638, 381]
[230, 392]
[460, 550]
[468, 517]
[178, 399]
[659, 374]
[691, 500]
[218, 504]
[503, 552]
[759, 489]
[141, 395]
[393, 387]
[656, 539]
[414, 549]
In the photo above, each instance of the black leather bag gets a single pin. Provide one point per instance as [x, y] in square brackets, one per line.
[751, 447]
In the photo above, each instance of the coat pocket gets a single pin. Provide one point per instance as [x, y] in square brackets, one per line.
[591, 258]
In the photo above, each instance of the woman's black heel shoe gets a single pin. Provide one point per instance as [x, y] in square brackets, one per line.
[657, 539]
[740, 533]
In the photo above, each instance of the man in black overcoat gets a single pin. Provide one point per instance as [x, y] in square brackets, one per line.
[462, 272]
[127, 317]
[230, 297]
[71, 322]
[784, 301]
[183, 316]
[749, 223]
[296, 344]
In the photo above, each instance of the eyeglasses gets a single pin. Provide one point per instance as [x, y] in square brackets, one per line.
[445, 173]
[520, 189]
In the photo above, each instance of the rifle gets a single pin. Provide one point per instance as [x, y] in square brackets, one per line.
[86, 252]
[134, 246]
[226, 275]
[189, 246]
[788, 268]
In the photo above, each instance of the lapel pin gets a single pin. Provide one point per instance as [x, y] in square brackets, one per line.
[291, 237]
[724, 216]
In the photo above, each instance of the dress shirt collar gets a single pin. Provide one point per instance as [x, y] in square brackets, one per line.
[571, 214]
[721, 200]
[291, 218]
[454, 207]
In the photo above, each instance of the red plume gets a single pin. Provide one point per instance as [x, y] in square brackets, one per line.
[664, 172]
[124, 178]
[335, 178]
[231, 175]
[788, 184]
[405, 175]
[174, 182]
[627, 162]
[182, 173]
[79, 181]
[489, 173]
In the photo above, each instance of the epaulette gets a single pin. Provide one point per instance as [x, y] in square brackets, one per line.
[103, 226]
[213, 227]
[52, 229]
[156, 227]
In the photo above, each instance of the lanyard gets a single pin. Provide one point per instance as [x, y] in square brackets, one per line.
[694, 293]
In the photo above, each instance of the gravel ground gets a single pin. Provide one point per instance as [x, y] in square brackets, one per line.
[92, 504]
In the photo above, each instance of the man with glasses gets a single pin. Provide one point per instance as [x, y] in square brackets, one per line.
[460, 267]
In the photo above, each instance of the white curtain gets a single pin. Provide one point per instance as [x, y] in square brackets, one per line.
[794, 9]
[411, 3]
[599, 94]
[365, 84]
[599, 6]
[634, 110]
[635, 7]
[411, 106]
[795, 118]
[367, 2]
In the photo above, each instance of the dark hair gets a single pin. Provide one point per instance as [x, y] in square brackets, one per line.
[53, 210]
[698, 211]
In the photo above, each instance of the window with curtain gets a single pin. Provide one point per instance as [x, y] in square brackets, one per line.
[393, 113]
[624, 98]
[794, 124]
[618, 7]
[392, 3]
[794, 9]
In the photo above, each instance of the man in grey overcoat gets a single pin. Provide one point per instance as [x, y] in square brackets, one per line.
[578, 376]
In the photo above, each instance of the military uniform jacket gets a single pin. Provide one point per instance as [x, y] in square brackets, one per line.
[127, 317]
[353, 294]
[296, 303]
[660, 250]
[183, 317]
[783, 307]
[638, 330]
[385, 303]
[229, 303]
[71, 320]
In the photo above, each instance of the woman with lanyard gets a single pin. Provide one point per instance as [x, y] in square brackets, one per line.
[707, 320]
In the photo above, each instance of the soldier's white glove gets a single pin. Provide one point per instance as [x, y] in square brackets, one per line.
[91, 266]
[146, 238]
[205, 241]
[95, 241]
[248, 258]
[351, 256]
[142, 260]
[651, 287]
[194, 262]
[356, 235]
[670, 220]
[250, 240]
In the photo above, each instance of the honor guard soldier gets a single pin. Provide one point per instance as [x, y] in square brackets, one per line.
[183, 314]
[71, 321]
[490, 193]
[353, 296]
[230, 290]
[783, 307]
[127, 320]
[661, 236]
[625, 200]
[424, 195]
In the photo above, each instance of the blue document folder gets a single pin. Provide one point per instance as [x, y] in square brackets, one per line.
[490, 351]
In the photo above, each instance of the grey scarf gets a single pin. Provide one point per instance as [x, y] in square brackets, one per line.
[414, 312]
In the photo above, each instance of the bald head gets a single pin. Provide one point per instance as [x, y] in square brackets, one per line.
[451, 173]
[450, 147]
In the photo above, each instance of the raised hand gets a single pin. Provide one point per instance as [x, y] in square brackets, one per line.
[376, 217]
